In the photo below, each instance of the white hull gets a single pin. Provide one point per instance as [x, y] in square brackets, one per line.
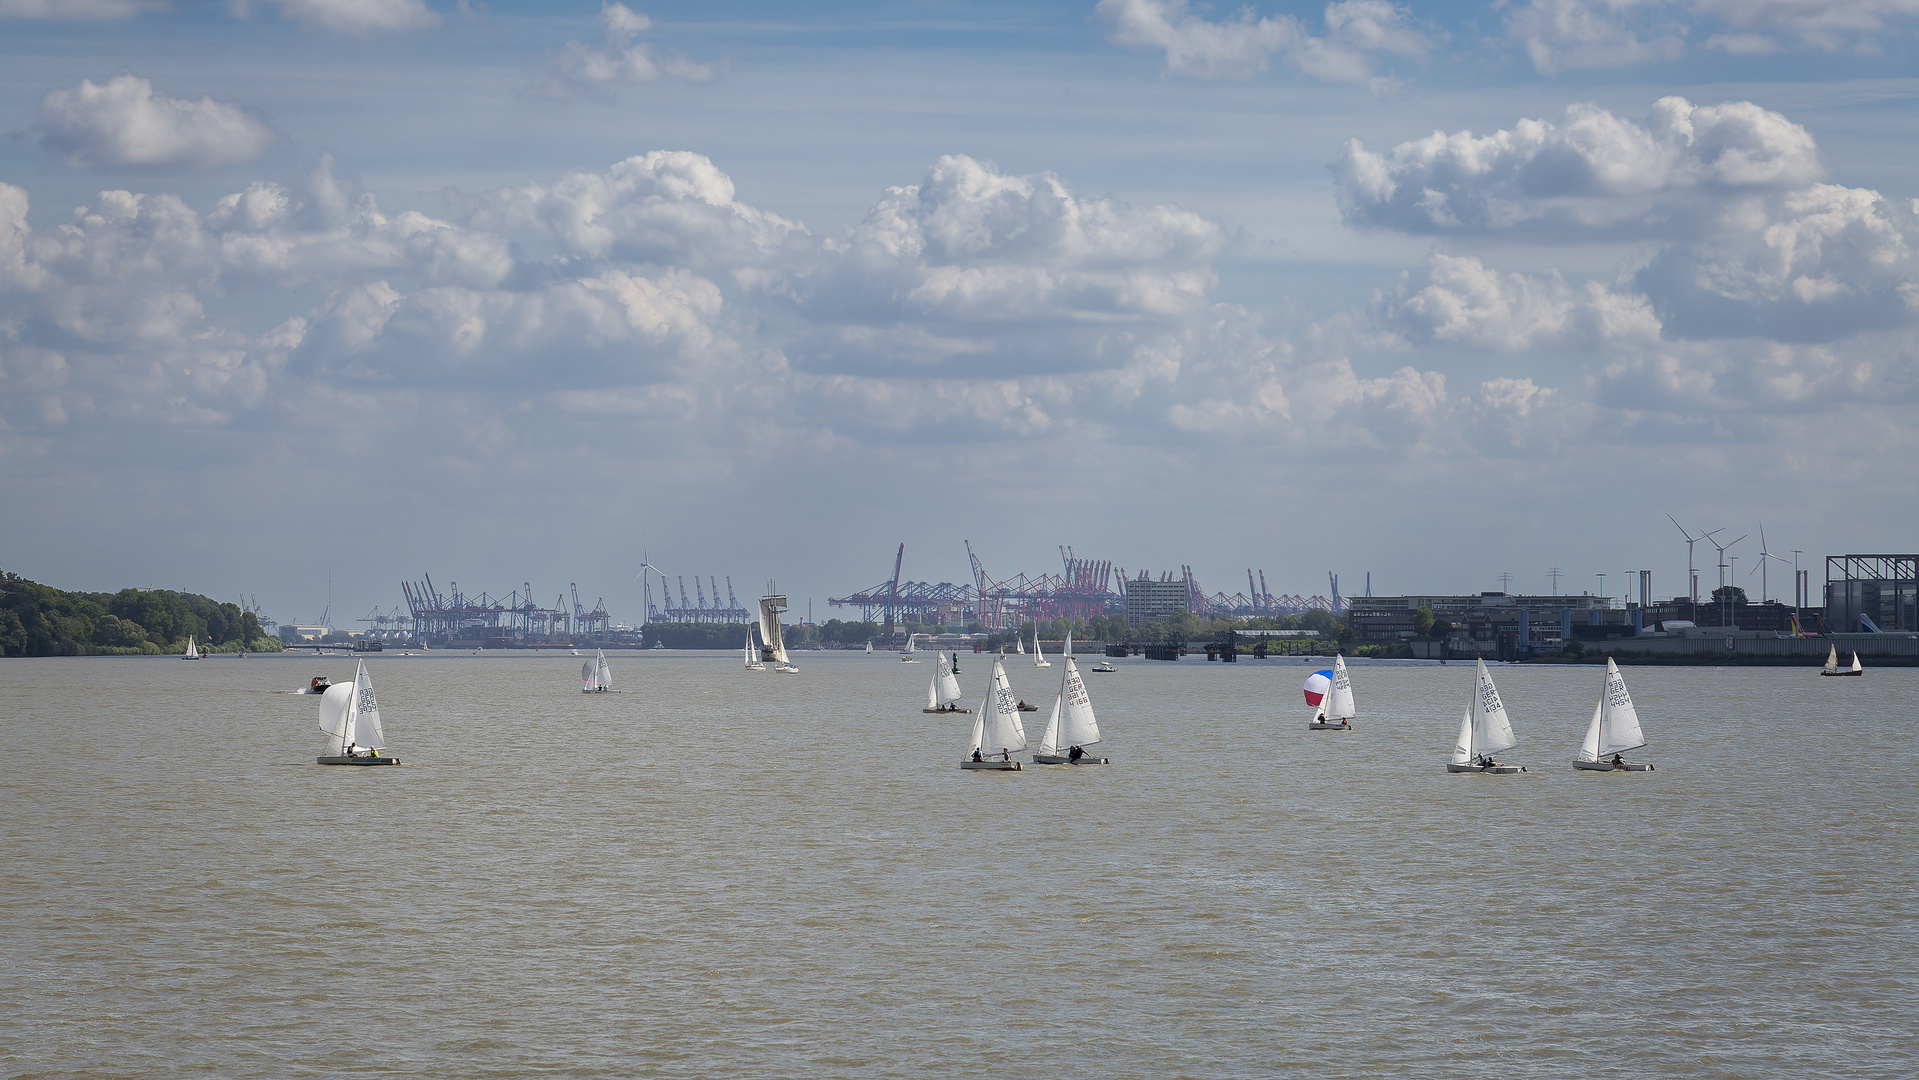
[1061, 759]
[1608, 766]
[1000, 766]
[787, 669]
[756, 667]
[1500, 770]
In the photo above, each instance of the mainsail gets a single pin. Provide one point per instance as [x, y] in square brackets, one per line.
[1492, 731]
[946, 677]
[363, 714]
[997, 727]
[1339, 700]
[1072, 722]
[1619, 726]
[773, 646]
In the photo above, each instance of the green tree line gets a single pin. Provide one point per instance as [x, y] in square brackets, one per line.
[40, 620]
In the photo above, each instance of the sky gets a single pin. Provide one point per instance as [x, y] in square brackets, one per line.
[301, 298]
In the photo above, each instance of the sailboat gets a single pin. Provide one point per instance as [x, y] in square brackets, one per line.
[1039, 658]
[1832, 664]
[595, 676]
[1019, 643]
[943, 690]
[1335, 711]
[1483, 731]
[749, 655]
[192, 652]
[350, 715]
[869, 648]
[1613, 731]
[906, 654]
[997, 725]
[1072, 726]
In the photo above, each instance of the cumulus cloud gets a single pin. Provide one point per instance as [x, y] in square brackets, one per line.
[1357, 32]
[348, 16]
[1458, 300]
[663, 206]
[578, 70]
[128, 122]
[77, 9]
[1559, 35]
[1596, 174]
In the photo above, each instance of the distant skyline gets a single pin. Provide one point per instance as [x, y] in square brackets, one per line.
[517, 292]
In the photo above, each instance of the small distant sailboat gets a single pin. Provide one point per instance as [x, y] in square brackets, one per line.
[1484, 731]
[1335, 705]
[595, 676]
[906, 654]
[1613, 731]
[869, 648]
[943, 689]
[192, 651]
[751, 655]
[1073, 727]
[1832, 664]
[350, 715]
[1039, 658]
[1019, 643]
[772, 641]
[997, 725]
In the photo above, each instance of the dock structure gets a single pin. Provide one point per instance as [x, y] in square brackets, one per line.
[514, 618]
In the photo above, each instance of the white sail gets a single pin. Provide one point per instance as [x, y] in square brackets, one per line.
[1492, 730]
[1039, 657]
[1463, 748]
[1619, 729]
[1832, 658]
[586, 676]
[1339, 700]
[1077, 725]
[869, 648]
[999, 727]
[770, 638]
[192, 651]
[948, 680]
[1049, 739]
[1589, 746]
[1856, 665]
[933, 689]
[366, 712]
[602, 673]
[335, 706]
[1019, 643]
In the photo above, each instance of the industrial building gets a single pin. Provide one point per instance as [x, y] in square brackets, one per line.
[1492, 619]
[1151, 601]
[1872, 593]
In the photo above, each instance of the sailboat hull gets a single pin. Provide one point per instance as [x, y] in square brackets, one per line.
[1607, 766]
[998, 766]
[1841, 674]
[1342, 726]
[1500, 770]
[357, 761]
[968, 712]
[1062, 759]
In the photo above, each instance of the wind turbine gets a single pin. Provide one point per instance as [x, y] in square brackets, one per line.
[1764, 555]
[646, 587]
[1692, 575]
[1723, 548]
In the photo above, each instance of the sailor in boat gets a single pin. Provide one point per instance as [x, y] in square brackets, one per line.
[976, 756]
[1074, 755]
[1618, 761]
[1005, 754]
[319, 685]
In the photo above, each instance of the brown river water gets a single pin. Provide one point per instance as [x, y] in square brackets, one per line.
[726, 874]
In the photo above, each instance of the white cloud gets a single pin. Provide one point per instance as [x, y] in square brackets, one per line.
[1461, 301]
[1826, 24]
[578, 70]
[1817, 264]
[127, 122]
[663, 206]
[1595, 174]
[1357, 31]
[77, 9]
[349, 16]
[1563, 34]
